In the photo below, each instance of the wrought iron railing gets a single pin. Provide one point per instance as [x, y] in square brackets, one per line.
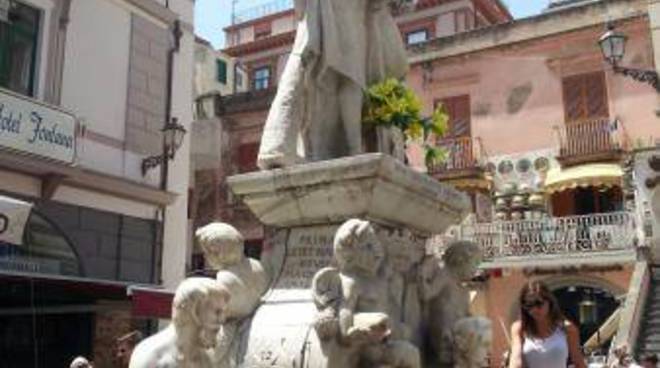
[589, 137]
[245, 101]
[463, 153]
[553, 235]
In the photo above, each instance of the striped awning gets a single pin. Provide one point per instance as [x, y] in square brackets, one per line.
[591, 175]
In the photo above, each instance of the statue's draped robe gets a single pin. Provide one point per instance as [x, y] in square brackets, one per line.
[335, 39]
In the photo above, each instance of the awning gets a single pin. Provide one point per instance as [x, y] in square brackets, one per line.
[151, 302]
[592, 175]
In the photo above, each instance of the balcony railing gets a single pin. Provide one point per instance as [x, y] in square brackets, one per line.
[463, 154]
[245, 101]
[591, 140]
[554, 235]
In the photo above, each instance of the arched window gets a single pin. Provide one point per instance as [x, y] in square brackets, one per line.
[45, 250]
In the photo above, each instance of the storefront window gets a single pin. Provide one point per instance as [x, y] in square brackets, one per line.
[18, 48]
[45, 250]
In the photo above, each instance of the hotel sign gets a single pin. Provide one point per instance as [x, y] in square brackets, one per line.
[31, 127]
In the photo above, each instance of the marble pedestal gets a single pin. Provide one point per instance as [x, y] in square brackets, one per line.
[303, 206]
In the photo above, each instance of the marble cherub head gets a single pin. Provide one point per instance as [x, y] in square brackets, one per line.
[222, 245]
[357, 248]
[472, 339]
[199, 305]
[462, 259]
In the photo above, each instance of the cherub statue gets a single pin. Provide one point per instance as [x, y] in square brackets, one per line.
[444, 297]
[245, 278]
[197, 314]
[472, 339]
[353, 304]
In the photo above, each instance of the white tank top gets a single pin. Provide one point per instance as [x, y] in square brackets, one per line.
[550, 352]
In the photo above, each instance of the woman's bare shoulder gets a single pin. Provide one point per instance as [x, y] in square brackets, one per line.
[516, 327]
[570, 327]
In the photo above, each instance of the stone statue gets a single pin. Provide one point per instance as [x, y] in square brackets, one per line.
[404, 253]
[198, 312]
[244, 278]
[472, 339]
[353, 304]
[341, 47]
[81, 362]
[445, 299]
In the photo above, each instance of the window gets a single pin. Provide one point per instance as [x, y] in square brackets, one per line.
[585, 97]
[457, 137]
[417, 36]
[458, 109]
[221, 67]
[18, 48]
[261, 78]
[239, 79]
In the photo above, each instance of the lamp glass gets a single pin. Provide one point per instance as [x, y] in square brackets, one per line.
[179, 133]
[588, 312]
[173, 134]
[613, 46]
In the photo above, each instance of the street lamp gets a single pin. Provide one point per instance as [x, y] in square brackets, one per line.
[613, 46]
[173, 134]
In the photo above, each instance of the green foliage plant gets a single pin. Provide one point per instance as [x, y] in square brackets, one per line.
[392, 104]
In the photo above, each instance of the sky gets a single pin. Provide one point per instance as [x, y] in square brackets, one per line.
[211, 16]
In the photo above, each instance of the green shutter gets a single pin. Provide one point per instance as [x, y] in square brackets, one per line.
[222, 71]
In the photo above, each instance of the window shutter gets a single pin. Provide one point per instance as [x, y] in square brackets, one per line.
[222, 71]
[585, 97]
[597, 106]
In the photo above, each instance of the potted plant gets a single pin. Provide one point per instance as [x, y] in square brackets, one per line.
[392, 109]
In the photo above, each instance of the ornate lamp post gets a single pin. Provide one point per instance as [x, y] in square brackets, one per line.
[613, 46]
[173, 134]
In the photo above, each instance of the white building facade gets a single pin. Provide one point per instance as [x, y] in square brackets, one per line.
[86, 87]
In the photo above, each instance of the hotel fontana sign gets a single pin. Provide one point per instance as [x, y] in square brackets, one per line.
[28, 126]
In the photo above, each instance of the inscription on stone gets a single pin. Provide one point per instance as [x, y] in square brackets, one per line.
[309, 250]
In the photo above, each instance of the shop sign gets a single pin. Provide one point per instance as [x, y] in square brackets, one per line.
[31, 127]
[13, 217]
[30, 265]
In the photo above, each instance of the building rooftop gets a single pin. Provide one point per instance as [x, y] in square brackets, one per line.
[581, 14]
[260, 11]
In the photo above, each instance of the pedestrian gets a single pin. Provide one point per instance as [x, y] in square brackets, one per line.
[81, 362]
[543, 337]
[649, 361]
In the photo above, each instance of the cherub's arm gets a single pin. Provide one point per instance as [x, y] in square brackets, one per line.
[347, 305]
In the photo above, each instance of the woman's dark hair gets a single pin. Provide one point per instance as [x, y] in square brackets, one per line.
[535, 290]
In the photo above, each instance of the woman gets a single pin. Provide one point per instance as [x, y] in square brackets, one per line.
[543, 338]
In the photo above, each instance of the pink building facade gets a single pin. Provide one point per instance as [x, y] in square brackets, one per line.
[543, 133]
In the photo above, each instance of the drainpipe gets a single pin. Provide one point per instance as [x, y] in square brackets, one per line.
[159, 235]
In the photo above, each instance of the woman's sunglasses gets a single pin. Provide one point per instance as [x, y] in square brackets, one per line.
[538, 303]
